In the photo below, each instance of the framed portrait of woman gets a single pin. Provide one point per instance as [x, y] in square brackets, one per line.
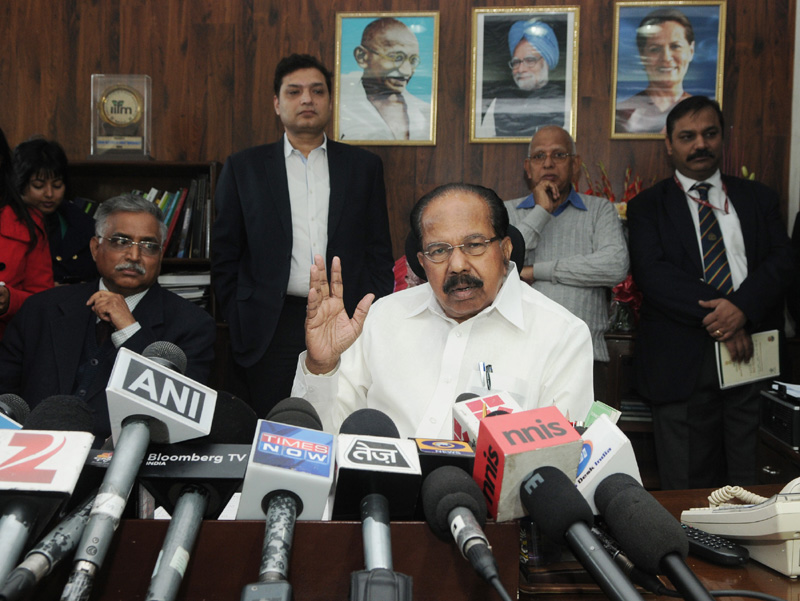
[524, 71]
[664, 52]
[386, 71]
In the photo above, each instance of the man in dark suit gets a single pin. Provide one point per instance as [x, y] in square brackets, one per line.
[277, 206]
[65, 340]
[694, 299]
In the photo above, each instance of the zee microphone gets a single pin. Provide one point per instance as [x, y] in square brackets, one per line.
[454, 505]
[147, 402]
[651, 538]
[562, 514]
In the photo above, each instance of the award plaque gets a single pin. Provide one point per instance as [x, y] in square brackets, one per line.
[121, 116]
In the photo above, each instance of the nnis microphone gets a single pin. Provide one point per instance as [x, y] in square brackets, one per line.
[511, 446]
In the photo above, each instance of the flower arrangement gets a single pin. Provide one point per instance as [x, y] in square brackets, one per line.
[602, 188]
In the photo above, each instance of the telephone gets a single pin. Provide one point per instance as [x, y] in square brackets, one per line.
[768, 527]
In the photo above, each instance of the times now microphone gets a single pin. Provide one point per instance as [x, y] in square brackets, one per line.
[289, 477]
[648, 534]
[375, 466]
[470, 409]
[147, 402]
[510, 446]
[562, 514]
[38, 472]
[605, 450]
[13, 412]
[194, 481]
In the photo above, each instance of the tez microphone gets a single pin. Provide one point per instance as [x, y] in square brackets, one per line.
[562, 514]
[651, 538]
[454, 505]
[147, 402]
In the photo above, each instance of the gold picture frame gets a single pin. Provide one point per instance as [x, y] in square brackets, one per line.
[508, 104]
[383, 57]
[649, 79]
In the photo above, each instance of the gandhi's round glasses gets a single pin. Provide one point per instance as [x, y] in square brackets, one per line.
[473, 246]
[398, 58]
[558, 157]
[530, 61]
[120, 243]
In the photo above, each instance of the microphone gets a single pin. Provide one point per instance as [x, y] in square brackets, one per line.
[167, 354]
[284, 502]
[13, 411]
[510, 446]
[470, 409]
[637, 576]
[653, 540]
[376, 466]
[147, 402]
[40, 561]
[38, 472]
[454, 505]
[562, 514]
[61, 412]
[203, 476]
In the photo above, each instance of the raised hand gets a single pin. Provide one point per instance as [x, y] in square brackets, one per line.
[329, 330]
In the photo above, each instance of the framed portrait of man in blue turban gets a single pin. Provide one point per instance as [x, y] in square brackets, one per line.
[524, 71]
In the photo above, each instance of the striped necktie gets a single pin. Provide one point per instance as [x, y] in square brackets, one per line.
[716, 269]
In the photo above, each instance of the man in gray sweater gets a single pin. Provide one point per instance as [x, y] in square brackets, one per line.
[575, 249]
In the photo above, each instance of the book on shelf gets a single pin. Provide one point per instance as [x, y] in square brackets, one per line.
[196, 243]
[174, 215]
[185, 278]
[187, 219]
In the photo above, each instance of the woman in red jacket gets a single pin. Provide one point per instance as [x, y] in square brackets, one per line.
[25, 266]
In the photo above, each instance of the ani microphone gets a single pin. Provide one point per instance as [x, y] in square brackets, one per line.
[562, 514]
[648, 534]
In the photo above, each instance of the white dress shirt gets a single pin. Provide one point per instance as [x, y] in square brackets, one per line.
[728, 223]
[412, 361]
[309, 194]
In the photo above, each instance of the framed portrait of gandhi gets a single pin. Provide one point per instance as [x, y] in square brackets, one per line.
[386, 72]
[664, 52]
[524, 71]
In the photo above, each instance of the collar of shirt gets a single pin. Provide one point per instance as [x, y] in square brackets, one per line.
[573, 198]
[716, 195]
[508, 301]
[288, 149]
[131, 300]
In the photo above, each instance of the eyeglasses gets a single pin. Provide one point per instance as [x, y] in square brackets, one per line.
[558, 157]
[530, 61]
[398, 58]
[473, 246]
[120, 243]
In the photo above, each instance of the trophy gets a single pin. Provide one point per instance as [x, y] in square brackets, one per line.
[121, 116]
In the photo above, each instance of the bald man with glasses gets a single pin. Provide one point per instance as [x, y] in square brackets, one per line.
[413, 352]
[374, 103]
[575, 248]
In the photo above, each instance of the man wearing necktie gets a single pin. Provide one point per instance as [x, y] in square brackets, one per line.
[711, 256]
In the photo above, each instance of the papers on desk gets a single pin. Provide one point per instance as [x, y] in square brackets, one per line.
[764, 364]
[792, 390]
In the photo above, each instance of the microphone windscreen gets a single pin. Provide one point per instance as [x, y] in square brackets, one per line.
[644, 529]
[553, 502]
[61, 412]
[369, 422]
[167, 354]
[294, 411]
[234, 422]
[465, 396]
[15, 407]
[446, 488]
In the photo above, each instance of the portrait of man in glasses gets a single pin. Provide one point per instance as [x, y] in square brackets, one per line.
[523, 85]
[374, 101]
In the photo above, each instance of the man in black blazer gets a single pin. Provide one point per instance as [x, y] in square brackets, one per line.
[277, 206]
[704, 436]
[65, 340]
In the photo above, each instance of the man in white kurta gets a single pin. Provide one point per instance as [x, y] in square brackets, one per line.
[418, 349]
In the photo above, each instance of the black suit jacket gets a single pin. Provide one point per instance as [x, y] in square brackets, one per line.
[41, 350]
[667, 268]
[252, 237]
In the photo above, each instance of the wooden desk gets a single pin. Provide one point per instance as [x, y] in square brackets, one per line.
[751, 576]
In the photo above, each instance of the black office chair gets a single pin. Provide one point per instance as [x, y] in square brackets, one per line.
[517, 251]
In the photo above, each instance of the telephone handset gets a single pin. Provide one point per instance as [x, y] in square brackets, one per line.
[768, 527]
